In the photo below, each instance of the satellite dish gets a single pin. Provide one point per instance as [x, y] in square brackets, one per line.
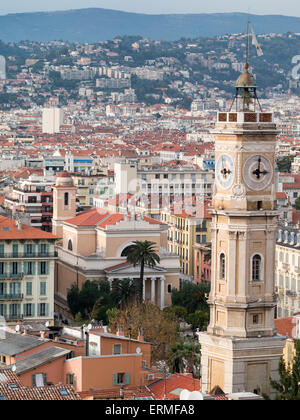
[47, 324]
[185, 395]
[138, 350]
[17, 328]
[90, 326]
[196, 396]
[14, 368]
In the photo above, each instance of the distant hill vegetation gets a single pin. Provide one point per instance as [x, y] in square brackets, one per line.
[92, 25]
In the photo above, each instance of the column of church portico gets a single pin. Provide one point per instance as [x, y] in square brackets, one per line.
[153, 279]
[162, 293]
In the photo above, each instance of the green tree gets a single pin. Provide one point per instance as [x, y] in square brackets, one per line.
[297, 203]
[184, 356]
[143, 254]
[191, 296]
[288, 386]
[124, 292]
[199, 319]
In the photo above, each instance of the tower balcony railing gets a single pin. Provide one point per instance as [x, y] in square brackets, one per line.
[245, 117]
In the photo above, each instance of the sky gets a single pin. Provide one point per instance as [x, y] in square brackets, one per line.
[287, 7]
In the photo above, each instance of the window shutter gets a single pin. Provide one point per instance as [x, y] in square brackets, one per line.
[33, 380]
[33, 268]
[25, 268]
[24, 309]
[47, 309]
[5, 288]
[11, 268]
[4, 311]
[38, 309]
[47, 268]
[33, 309]
[1, 249]
[127, 378]
[39, 268]
[115, 379]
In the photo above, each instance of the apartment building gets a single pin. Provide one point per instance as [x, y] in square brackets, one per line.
[287, 271]
[32, 199]
[158, 187]
[185, 231]
[27, 259]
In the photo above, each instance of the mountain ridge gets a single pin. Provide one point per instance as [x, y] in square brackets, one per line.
[97, 24]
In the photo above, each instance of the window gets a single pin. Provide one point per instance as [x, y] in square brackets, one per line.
[256, 268]
[117, 348]
[28, 309]
[43, 309]
[169, 288]
[222, 266]
[2, 268]
[255, 319]
[29, 288]
[121, 379]
[39, 379]
[43, 268]
[70, 245]
[15, 250]
[43, 288]
[66, 200]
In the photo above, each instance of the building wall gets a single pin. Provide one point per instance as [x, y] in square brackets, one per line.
[98, 372]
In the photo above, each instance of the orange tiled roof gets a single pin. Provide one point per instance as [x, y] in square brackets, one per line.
[9, 230]
[172, 383]
[88, 218]
[286, 326]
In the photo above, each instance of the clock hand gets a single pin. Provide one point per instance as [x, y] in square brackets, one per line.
[258, 172]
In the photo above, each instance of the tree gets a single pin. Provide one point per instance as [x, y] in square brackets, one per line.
[185, 357]
[297, 203]
[124, 292]
[158, 327]
[199, 319]
[143, 254]
[288, 386]
[191, 296]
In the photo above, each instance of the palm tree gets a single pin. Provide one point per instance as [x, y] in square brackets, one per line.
[123, 292]
[143, 253]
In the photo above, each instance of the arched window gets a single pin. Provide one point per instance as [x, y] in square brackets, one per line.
[127, 251]
[256, 268]
[66, 198]
[222, 266]
[70, 245]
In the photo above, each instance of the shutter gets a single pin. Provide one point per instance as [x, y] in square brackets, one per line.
[33, 380]
[39, 268]
[127, 378]
[45, 378]
[11, 268]
[38, 309]
[33, 309]
[19, 309]
[115, 379]
[5, 288]
[47, 249]
[33, 250]
[40, 249]
[10, 309]
[33, 268]
[74, 381]
[19, 268]
[4, 311]
[24, 309]
[47, 268]
[47, 309]
[26, 268]
[5, 269]
[1, 250]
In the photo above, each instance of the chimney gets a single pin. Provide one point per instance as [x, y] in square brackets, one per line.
[87, 344]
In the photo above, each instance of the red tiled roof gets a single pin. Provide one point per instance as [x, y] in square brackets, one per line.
[88, 218]
[286, 326]
[9, 230]
[172, 383]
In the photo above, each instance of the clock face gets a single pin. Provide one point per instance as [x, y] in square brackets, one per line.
[225, 171]
[258, 173]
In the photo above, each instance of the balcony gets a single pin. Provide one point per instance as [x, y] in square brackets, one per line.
[16, 296]
[291, 293]
[29, 255]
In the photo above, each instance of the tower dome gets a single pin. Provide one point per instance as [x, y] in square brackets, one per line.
[64, 179]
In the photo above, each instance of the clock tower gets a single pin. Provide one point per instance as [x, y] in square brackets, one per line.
[241, 350]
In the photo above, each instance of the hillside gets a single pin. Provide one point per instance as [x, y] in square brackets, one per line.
[91, 25]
